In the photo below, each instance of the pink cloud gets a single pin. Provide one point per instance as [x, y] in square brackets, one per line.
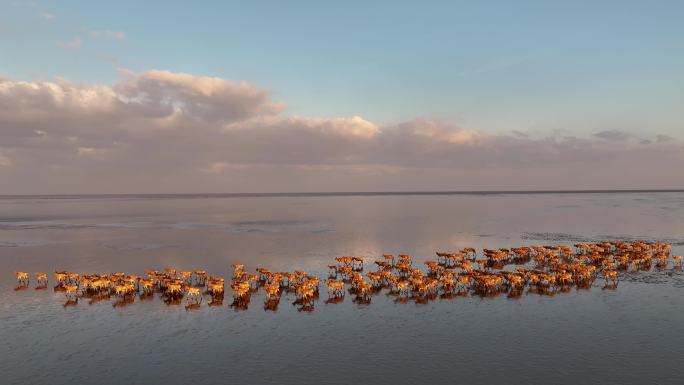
[165, 131]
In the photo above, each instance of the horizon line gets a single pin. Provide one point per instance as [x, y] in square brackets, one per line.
[329, 193]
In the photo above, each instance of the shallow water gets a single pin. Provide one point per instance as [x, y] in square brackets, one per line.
[632, 335]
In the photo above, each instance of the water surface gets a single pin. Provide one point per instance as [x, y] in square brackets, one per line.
[632, 335]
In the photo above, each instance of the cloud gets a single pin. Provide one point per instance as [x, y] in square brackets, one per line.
[74, 44]
[5, 161]
[198, 98]
[158, 96]
[105, 34]
[352, 127]
[520, 134]
[664, 138]
[46, 15]
[613, 135]
[162, 131]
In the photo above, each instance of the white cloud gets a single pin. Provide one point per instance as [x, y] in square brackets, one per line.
[74, 44]
[46, 15]
[105, 34]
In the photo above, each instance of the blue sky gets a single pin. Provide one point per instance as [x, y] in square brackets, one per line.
[577, 67]
[179, 96]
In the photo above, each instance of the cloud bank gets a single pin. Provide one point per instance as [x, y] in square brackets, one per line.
[161, 131]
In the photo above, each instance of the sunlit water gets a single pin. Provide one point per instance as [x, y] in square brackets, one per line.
[632, 335]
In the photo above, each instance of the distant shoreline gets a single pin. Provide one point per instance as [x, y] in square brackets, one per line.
[328, 194]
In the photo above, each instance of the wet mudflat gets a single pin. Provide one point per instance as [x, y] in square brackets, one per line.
[629, 335]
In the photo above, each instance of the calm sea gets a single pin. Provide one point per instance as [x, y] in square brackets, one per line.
[632, 335]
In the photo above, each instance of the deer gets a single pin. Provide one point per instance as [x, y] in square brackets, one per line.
[41, 280]
[22, 279]
[193, 298]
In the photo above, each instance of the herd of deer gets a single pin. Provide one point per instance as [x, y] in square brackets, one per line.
[540, 269]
